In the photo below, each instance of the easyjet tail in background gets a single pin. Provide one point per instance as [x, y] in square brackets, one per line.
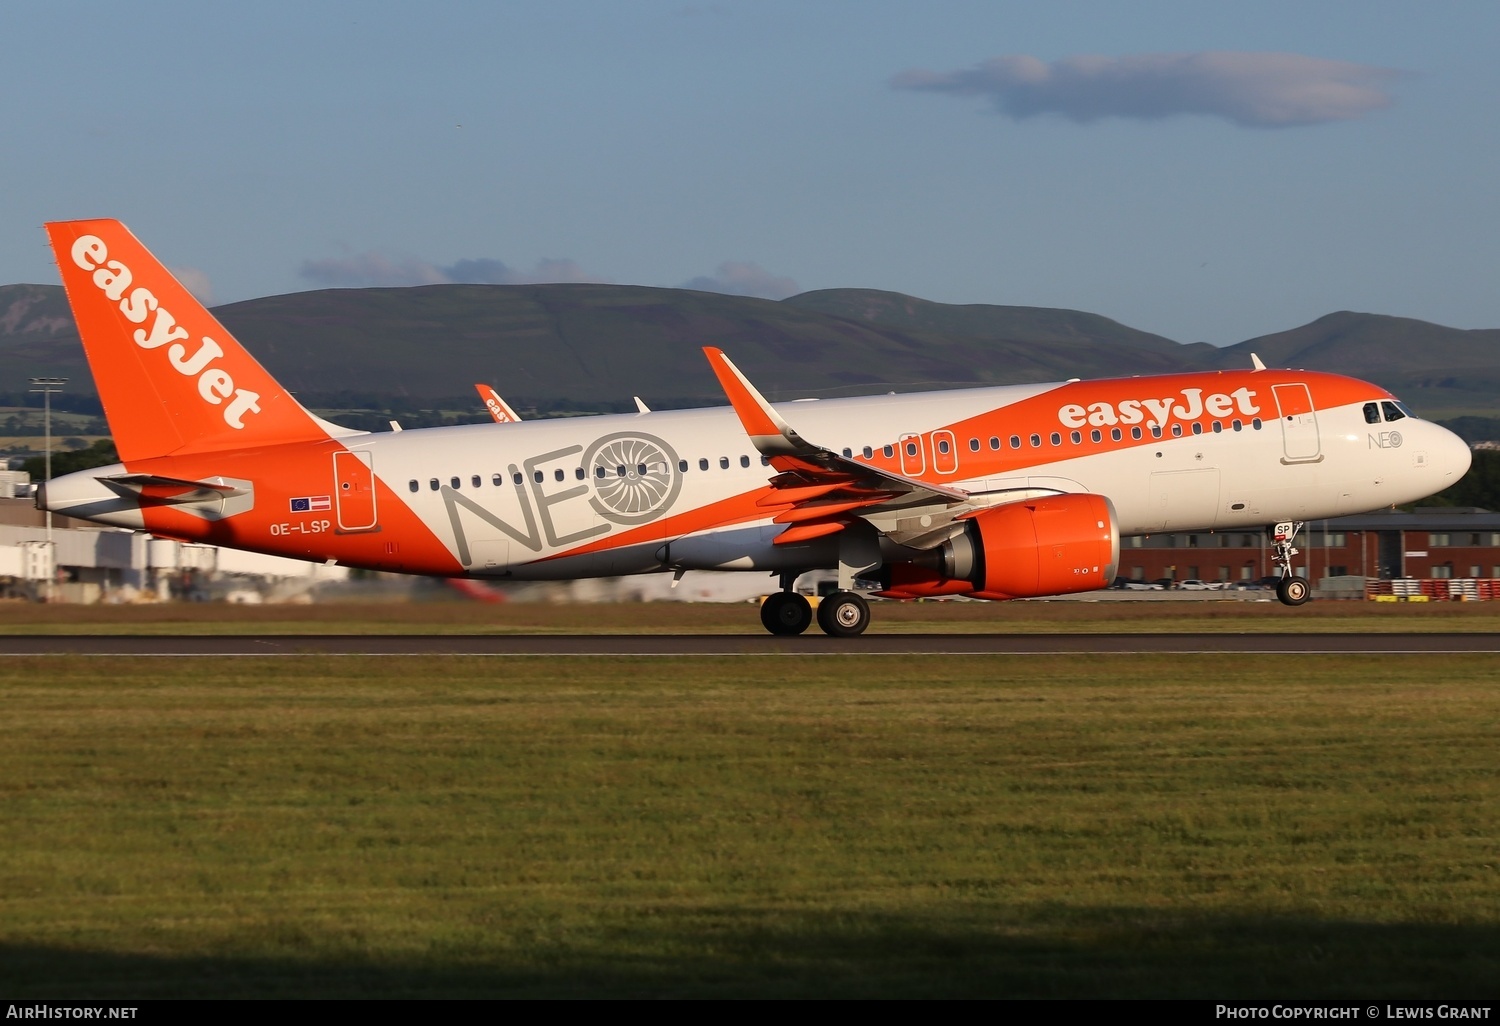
[1006, 492]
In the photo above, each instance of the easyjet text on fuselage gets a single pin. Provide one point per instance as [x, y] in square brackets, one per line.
[1188, 404]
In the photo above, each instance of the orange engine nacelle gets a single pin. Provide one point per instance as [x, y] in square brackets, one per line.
[1053, 545]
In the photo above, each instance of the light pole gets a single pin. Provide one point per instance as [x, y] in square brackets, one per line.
[48, 387]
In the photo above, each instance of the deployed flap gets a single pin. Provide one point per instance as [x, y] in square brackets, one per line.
[171, 379]
[822, 491]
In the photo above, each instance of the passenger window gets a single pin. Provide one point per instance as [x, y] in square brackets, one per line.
[848, 453]
[1114, 433]
[599, 472]
[1176, 430]
[413, 485]
[1135, 432]
[889, 451]
[1015, 442]
[723, 462]
[1155, 430]
[1239, 426]
[1096, 435]
[744, 461]
[1218, 427]
[943, 446]
[973, 445]
[476, 480]
[682, 466]
[765, 461]
[516, 478]
[640, 469]
[453, 483]
[433, 484]
[1255, 423]
[1372, 413]
[1076, 437]
[1056, 438]
[496, 480]
[703, 464]
[1036, 441]
[536, 475]
[558, 475]
[911, 448]
[619, 470]
[1392, 412]
[869, 453]
[1197, 428]
[580, 473]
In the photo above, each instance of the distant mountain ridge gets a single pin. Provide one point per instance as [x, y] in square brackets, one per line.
[584, 346]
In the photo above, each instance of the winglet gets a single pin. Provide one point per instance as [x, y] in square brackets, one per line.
[1255, 361]
[772, 435]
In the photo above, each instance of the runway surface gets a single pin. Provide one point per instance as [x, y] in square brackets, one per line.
[219, 646]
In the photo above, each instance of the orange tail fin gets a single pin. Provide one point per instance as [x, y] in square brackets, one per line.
[499, 409]
[171, 379]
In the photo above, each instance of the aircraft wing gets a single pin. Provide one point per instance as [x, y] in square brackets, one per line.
[823, 490]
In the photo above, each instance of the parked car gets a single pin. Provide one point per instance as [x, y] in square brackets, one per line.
[1193, 584]
[1131, 584]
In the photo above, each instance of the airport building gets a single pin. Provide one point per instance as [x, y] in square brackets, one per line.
[1427, 543]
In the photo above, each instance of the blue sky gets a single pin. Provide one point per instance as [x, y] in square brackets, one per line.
[1209, 172]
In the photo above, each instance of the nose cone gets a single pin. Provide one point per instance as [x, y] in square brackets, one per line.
[1452, 456]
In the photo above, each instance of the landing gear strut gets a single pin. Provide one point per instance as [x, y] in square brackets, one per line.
[1290, 590]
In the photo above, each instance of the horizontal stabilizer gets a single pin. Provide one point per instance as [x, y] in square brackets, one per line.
[171, 491]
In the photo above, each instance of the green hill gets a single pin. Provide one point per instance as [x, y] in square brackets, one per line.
[569, 347]
[1434, 368]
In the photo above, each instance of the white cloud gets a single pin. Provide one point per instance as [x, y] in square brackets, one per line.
[366, 270]
[743, 278]
[196, 282]
[1258, 90]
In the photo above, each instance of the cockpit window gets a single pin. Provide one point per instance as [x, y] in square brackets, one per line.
[1372, 413]
[1393, 411]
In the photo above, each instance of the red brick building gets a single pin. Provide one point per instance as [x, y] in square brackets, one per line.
[1427, 543]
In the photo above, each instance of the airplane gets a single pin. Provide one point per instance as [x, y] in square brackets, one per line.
[499, 410]
[997, 493]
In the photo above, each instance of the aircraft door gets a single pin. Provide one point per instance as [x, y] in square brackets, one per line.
[354, 491]
[1299, 424]
[913, 459]
[944, 452]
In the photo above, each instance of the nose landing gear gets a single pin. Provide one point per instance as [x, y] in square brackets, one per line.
[1290, 590]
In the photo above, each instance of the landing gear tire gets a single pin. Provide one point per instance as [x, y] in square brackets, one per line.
[843, 614]
[1292, 591]
[785, 613]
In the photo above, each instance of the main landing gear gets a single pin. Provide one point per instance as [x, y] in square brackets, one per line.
[786, 613]
[843, 614]
[1290, 590]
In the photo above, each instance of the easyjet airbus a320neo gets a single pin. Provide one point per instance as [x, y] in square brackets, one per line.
[995, 493]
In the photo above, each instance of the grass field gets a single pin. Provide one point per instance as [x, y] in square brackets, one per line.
[753, 826]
